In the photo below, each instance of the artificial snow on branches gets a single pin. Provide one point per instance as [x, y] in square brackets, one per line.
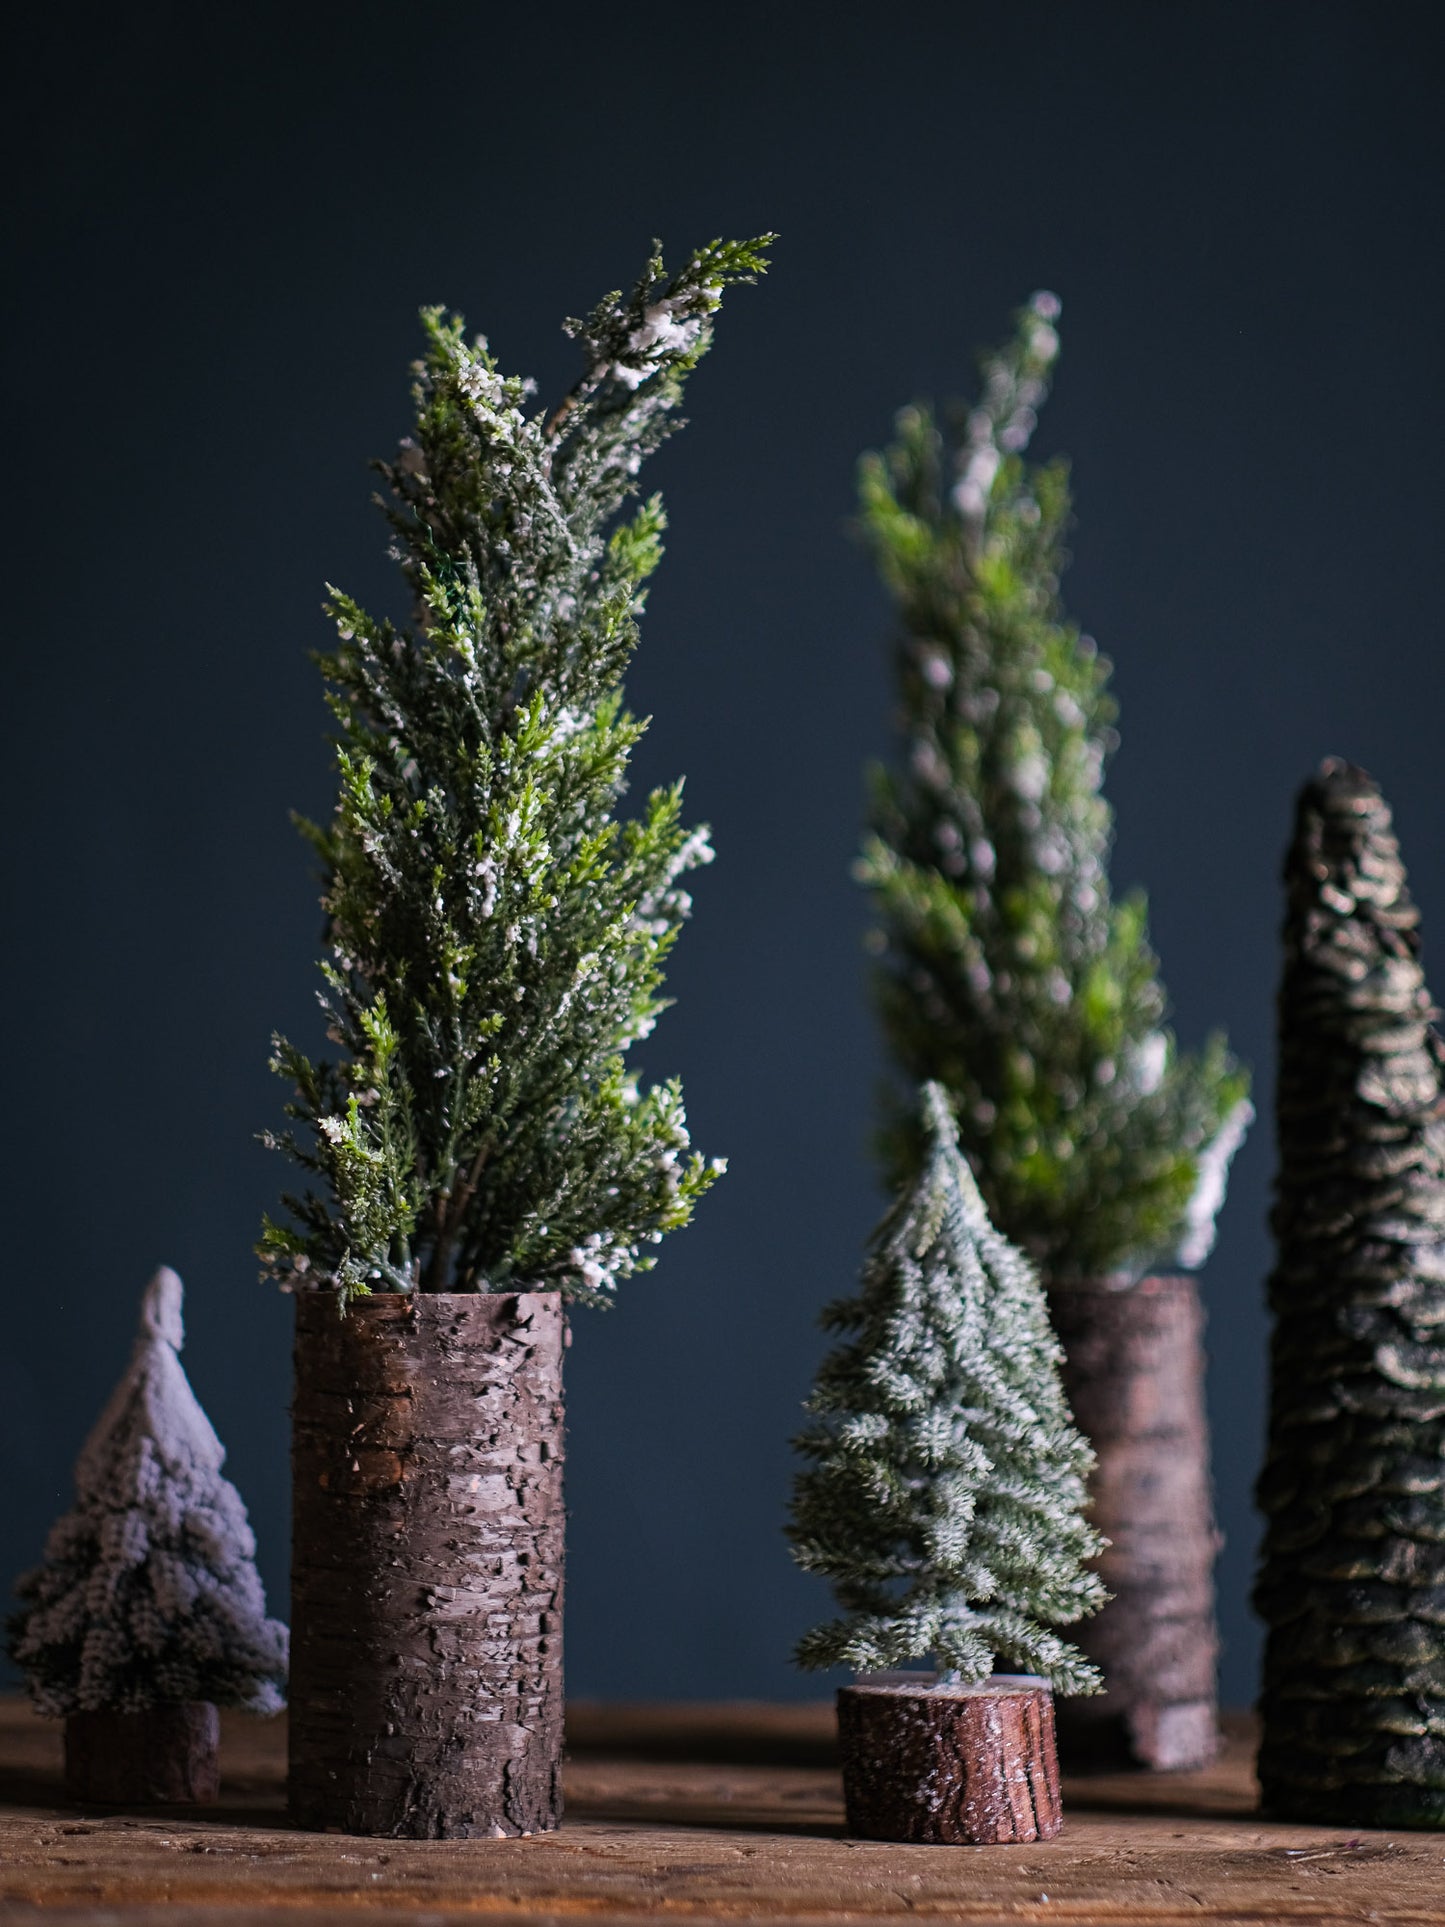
[497, 935]
[1006, 970]
[149, 1593]
[944, 1498]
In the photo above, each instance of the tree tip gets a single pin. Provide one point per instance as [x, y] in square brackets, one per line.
[938, 1118]
[1338, 778]
[160, 1315]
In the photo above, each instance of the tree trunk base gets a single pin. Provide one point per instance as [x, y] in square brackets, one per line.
[1134, 1375]
[164, 1756]
[950, 1765]
[427, 1536]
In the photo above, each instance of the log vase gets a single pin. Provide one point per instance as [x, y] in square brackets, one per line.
[427, 1550]
[950, 1765]
[1134, 1373]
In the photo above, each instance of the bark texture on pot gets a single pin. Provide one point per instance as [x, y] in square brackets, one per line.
[164, 1755]
[1134, 1373]
[427, 1548]
[950, 1765]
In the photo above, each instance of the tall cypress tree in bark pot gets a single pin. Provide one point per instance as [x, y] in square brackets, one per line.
[1008, 973]
[479, 1153]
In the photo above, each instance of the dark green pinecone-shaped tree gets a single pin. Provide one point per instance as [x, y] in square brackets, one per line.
[944, 1493]
[497, 935]
[1352, 1578]
[1007, 971]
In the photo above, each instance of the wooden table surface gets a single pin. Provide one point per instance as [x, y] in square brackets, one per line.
[691, 1813]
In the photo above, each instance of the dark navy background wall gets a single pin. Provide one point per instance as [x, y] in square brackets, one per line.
[220, 225]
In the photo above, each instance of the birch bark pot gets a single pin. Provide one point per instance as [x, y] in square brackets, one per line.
[427, 1548]
[165, 1755]
[1134, 1374]
[950, 1765]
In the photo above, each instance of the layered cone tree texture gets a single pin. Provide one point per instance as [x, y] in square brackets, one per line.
[1352, 1577]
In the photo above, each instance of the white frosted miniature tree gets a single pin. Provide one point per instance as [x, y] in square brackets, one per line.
[945, 1495]
[149, 1594]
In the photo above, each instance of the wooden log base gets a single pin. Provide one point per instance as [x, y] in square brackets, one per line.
[164, 1756]
[950, 1765]
[426, 1571]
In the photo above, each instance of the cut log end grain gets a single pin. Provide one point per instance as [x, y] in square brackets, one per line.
[950, 1765]
[426, 1672]
[166, 1755]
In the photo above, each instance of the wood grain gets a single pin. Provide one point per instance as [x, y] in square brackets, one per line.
[718, 1836]
[950, 1765]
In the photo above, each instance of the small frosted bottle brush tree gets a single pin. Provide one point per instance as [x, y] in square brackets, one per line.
[479, 1151]
[1009, 972]
[944, 1501]
[1351, 1583]
[147, 1612]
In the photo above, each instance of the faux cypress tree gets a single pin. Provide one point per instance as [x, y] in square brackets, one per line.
[497, 936]
[945, 1491]
[479, 1150]
[1007, 971]
[1352, 1577]
[148, 1610]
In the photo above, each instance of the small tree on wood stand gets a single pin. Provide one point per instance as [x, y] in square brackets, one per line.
[944, 1501]
[1009, 973]
[1352, 1576]
[479, 1150]
[148, 1611]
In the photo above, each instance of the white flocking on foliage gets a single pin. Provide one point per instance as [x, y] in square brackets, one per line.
[498, 935]
[1008, 970]
[149, 1593]
[945, 1495]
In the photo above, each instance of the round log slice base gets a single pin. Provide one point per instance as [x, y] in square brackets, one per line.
[950, 1766]
[427, 1544]
[1134, 1375]
[164, 1756]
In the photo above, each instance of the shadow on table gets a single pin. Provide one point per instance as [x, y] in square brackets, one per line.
[729, 1732]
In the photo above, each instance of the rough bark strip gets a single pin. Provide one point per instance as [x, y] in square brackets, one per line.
[427, 1549]
[1134, 1374]
[950, 1765]
[163, 1756]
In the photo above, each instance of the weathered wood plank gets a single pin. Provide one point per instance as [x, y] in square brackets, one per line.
[749, 1828]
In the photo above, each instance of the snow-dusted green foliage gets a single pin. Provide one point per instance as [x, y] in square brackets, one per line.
[497, 935]
[1007, 972]
[944, 1499]
[149, 1592]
